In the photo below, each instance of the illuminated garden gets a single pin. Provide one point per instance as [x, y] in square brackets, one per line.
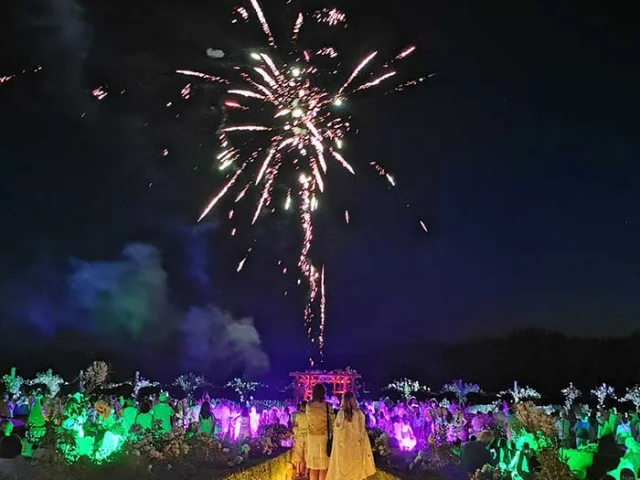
[200, 236]
[90, 427]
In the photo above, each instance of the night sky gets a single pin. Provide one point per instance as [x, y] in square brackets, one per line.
[521, 155]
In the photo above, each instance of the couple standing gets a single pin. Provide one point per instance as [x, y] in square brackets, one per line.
[351, 456]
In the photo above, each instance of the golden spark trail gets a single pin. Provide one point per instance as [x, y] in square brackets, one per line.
[297, 27]
[191, 73]
[406, 52]
[245, 128]
[263, 22]
[265, 165]
[221, 194]
[376, 82]
[357, 71]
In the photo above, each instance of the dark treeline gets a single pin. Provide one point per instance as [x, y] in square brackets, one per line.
[543, 359]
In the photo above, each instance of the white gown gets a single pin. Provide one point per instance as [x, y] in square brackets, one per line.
[351, 457]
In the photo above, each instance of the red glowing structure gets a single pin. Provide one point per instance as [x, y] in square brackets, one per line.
[339, 382]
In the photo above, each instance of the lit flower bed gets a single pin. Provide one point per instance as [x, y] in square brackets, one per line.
[157, 454]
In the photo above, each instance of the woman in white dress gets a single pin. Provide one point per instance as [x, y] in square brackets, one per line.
[243, 426]
[351, 456]
[300, 431]
[319, 414]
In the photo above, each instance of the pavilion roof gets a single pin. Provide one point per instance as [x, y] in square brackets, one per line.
[320, 375]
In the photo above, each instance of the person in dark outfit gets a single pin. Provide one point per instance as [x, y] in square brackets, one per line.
[10, 445]
[475, 454]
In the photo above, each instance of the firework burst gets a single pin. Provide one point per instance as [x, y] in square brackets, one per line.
[294, 129]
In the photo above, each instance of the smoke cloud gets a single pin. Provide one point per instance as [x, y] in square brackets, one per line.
[62, 42]
[123, 295]
[129, 306]
[213, 336]
[125, 303]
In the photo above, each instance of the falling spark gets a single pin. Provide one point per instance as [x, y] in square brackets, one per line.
[100, 93]
[8, 78]
[272, 83]
[383, 173]
[413, 83]
[406, 52]
[211, 78]
[266, 193]
[245, 128]
[306, 124]
[221, 194]
[344, 163]
[331, 16]
[265, 165]
[328, 52]
[243, 13]
[242, 194]
[377, 81]
[234, 104]
[297, 27]
[263, 22]
[271, 65]
[357, 70]
[186, 91]
[241, 264]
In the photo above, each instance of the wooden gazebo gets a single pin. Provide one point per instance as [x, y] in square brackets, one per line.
[339, 382]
